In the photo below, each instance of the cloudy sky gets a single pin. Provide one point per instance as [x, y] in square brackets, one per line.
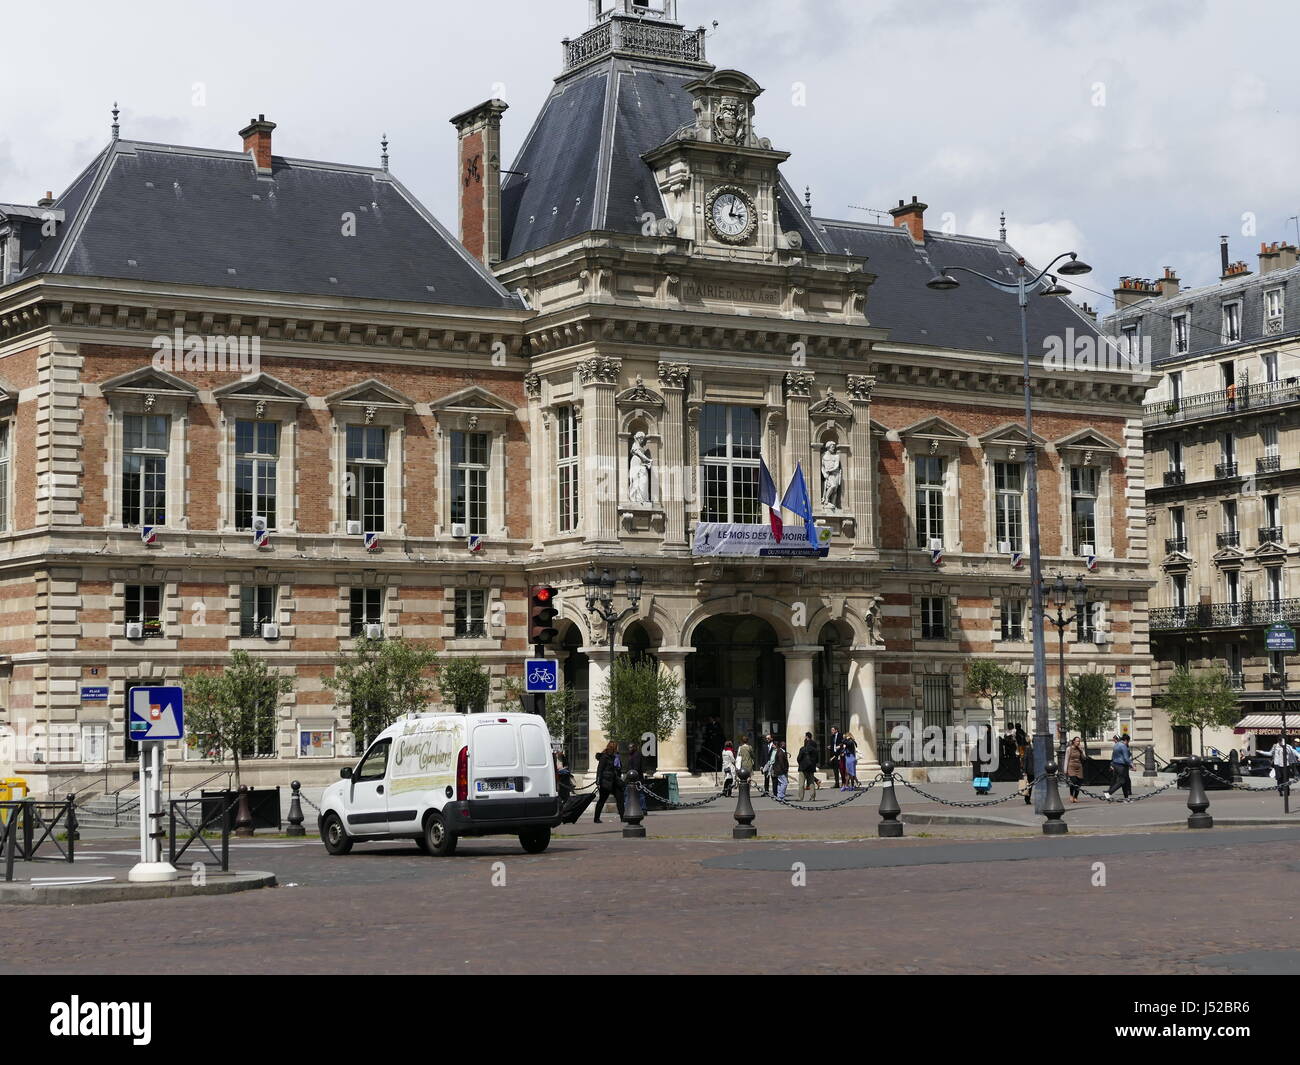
[1135, 132]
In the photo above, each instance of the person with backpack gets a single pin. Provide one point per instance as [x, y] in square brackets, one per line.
[807, 762]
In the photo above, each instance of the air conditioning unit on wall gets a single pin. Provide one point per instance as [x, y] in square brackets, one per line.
[270, 631]
[354, 528]
[135, 630]
[460, 532]
[374, 632]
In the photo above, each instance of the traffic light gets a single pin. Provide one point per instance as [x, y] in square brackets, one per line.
[542, 614]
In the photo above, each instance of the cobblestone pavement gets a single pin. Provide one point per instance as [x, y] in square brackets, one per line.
[686, 905]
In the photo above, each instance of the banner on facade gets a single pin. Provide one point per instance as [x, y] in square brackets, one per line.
[730, 540]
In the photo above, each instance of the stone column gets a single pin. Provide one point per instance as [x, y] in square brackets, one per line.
[862, 478]
[672, 752]
[597, 683]
[675, 476]
[599, 377]
[798, 694]
[863, 714]
[798, 398]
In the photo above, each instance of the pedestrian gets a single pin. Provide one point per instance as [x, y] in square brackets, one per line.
[837, 751]
[728, 768]
[1121, 761]
[807, 762]
[1074, 767]
[609, 780]
[1284, 759]
[769, 756]
[1027, 762]
[563, 777]
[780, 770]
[745, 756]
[850, 761]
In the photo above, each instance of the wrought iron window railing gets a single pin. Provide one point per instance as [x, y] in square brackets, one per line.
[1260, 395]
[1226, 615]
[1271, 534]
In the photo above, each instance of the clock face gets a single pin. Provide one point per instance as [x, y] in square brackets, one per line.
[732, 215]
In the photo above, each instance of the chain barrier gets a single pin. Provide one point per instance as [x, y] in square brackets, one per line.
[679, 805]
[309, 802]
[1020, 794]
[1102, 796]
[858, 792]
[1238, 787]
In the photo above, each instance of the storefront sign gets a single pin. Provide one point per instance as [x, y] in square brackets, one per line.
[722, 539]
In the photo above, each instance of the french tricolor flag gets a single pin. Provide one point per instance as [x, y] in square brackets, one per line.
[767, 494]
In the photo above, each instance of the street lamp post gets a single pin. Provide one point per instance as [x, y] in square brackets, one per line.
[599, 588]
[944, 281]
[1061, 596]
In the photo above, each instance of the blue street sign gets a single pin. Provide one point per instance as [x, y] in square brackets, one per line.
[1281, 637]
[93, 695]
[155, 714]
[541, 675]
[1124, 687]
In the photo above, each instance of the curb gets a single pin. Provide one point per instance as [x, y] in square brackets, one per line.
[908, 817]
[26, 894]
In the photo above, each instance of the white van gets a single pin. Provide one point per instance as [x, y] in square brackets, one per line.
[437, 777]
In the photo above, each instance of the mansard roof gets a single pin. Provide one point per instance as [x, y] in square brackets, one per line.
[163, 213]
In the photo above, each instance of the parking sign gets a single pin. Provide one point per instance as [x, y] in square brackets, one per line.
[541, 675]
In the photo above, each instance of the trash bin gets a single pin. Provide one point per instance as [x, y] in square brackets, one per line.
[8, 785]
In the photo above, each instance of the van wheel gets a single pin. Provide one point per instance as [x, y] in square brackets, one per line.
[438, 839]
[336, 840]
[535, 840]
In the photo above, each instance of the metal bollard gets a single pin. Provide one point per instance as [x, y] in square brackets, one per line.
[1234, 767]
[1197, 801]
[73, 833]
[295, 817]
[890, 826]
[1149, 763]
[244, 814]
[744, 809]
[1053, 808]
[633, 815]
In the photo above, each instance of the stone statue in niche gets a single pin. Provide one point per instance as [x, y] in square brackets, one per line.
[638, 470]
[832, 475]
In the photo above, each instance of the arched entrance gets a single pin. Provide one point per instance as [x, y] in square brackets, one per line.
[573, 669]
[831, 687]
[735, 681]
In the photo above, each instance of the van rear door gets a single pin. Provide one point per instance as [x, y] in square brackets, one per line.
[496, 762]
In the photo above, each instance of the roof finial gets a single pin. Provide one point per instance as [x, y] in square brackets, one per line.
[1002, 233]
[383, 158]
[807, 196]
[116, 127]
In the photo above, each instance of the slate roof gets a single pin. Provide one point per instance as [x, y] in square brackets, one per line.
[1204, 305]
[156, 212]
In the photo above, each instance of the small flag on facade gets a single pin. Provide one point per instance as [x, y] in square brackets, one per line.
[767, 494]
[372, 541]
[1017, 559]
[1091, 562]
[475, 544]
[936, 555]
[148, 534]
[261, 535]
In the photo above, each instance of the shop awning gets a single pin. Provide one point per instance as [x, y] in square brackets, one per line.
[1267, 723]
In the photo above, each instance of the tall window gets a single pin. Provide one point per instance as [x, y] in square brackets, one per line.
[1231, 323]
[936, 700]
[929, 500]
[1273, 582]
[367, 458]
[260, 743]
[1227, 448]
[1180, 338]
[1013, 619]
[256, 608]
[1128, 345]
[144, 469]
[1085, 623]
[566, 461]
[1008, 481]
[144, 605]
[471, 612]
[730, 441]
[934, 617]
[4, 476]
[1269, 359]
[1176, 456]
[469, 479]
[1083, 506]
[257, 450]
[367, 609]
[1179, 587]
[1230, 519]
[1178, 526]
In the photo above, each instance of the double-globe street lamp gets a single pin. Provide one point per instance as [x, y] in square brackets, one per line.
[943, 281]
[600, 588]
[1061, 596]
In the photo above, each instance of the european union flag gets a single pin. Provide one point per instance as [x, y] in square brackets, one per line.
[797, 501]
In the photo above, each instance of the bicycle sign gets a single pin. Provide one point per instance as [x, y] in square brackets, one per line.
[541, 675]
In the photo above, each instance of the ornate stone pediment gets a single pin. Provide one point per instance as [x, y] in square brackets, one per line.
[1011, 435]
[1228, 556]
[8, 394]
[149, 381]
[640, 396]
[261, 389]
[1086, 443]
[371, 393]
[934, 430]
[473, 400]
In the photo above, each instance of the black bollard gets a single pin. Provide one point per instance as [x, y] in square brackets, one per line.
[243, 814]
[1053, 808]
[633, 815]
[744, 810]
[1234, 767]
[1149, 763]
[295, 812]
[73, 833]
[890, 826]
[1197, 801]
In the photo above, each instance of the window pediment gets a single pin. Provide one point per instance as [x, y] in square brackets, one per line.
[1082, 447]
[831, 408]
[472, 408]
[8, 394]
[1231, 557]
[261, 389]
[639, 395]
[149, 381]
[934, 435]
[371, 393]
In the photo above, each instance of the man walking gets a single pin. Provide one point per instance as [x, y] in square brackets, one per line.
[1121, 761]
[1284, 758]
[837, 749]
[780, 770]
[769, 756]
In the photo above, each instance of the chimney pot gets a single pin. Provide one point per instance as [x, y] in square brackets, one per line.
[257, 140]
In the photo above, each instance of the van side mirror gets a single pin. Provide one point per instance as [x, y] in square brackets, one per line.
[346, 772]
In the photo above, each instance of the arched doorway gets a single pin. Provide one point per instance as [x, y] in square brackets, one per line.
[735, 681]
[831, 687]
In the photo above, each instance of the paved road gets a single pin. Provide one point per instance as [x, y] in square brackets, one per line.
[1145, 903]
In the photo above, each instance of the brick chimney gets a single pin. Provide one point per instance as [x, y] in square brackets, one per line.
[911, 216]
[1276, 256]
[478, 179]
[1168, 285]
[257, 141]
[1133, 290]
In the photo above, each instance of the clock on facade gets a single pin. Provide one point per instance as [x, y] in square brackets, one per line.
[731, 214]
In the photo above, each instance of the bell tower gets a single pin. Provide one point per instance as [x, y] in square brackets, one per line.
[660, 10]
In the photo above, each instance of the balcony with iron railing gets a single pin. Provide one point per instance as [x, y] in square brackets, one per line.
[1241, 398]
[638, 37]
[1224, 471]
[1175, 543]
[1272, 534]
[1230, 539]
[1173, 477]
[1268, 464]
[1237, 682]
[1225, 615]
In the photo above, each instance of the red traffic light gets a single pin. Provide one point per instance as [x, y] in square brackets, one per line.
[543, 595]
[542, 615]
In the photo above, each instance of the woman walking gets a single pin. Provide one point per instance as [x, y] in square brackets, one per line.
[807, 762]
[851, 762]
[1074, 767]
[728, 768]
[609, 779]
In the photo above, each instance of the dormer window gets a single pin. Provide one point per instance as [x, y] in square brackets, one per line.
[1274, 302]
[1232, 322]
[1180, 333]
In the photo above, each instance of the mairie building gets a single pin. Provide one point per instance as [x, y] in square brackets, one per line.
[250, 401]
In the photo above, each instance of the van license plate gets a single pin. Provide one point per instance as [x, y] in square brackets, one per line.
[496, 785]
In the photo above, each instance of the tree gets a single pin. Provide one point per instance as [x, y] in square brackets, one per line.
[1201, 700]
[465, 684]
[1090, 705]
[986, 679]
[641, 699]
[231, 710]
[564, 714]
[379, 681]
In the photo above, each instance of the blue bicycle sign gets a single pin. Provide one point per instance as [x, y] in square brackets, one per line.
[541, 675]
